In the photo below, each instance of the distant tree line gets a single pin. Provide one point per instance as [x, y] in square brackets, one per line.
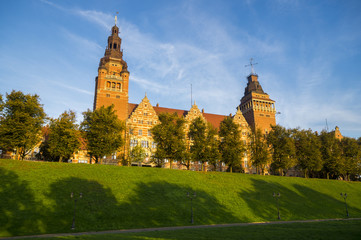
[101, 133]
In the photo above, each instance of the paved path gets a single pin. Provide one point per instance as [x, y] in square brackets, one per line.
[174, 228]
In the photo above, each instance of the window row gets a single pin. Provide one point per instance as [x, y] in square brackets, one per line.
[143, 143]
[140, 132]
[117, 96]
[141, 121]
[113, 86]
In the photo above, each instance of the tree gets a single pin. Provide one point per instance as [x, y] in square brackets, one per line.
[308, 151]
[204, 146]
[137, 154]
[102, 131]
[63, 136]
[259, 152]
[21, 119]
[170, 138]
[212, 154]
[197, 136]
[331, 154]
[283, 149]
[351, 158]
[231, 146]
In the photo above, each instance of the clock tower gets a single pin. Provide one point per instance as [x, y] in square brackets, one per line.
[256, 106]
[111, 84]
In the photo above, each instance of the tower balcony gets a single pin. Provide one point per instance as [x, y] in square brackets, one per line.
[113, 77]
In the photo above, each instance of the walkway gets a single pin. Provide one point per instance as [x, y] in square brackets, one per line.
[173, 228]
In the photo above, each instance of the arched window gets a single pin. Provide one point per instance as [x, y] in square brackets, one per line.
[110, 45]
[118, 86]
[115, 46]
[108, 84]
[113, 85]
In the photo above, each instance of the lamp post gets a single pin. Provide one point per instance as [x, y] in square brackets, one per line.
[75, 200]
[277, 197]
[344, 197]
[191, 197]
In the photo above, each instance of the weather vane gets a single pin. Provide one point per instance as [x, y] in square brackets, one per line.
[251, 64]
[116, 18]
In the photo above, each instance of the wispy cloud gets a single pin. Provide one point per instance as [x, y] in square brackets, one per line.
[70, 87]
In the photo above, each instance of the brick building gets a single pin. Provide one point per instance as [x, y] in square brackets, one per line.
[256, 109]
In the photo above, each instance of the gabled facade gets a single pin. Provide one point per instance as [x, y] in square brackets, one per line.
[255, 111]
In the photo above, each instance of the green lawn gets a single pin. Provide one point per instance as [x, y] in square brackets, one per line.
[299, 231]
[35, 197]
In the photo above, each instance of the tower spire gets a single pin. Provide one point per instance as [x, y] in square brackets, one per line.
[251, 64]
[115, 18]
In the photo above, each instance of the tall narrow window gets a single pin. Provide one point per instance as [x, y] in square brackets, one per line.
[115, 46]
[140, 133]
[118, 86]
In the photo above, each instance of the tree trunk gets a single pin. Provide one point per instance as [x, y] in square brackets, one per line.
[60, 159]
[230, 169]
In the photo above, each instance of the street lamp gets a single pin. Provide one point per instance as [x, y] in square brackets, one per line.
[75, 200]
[277, 197]
[191, 197]
[344, 197]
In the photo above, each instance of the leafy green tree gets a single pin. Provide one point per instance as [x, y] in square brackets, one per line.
[64, 136]
[170, 138]
[259, 152]
[212, 154]
[283, 149]
[204, 146]
[44, 153]
[21, 119]
[197, 135]
[102, 131]
[231, 147]
[331, 154]
[351, 158]
[137, 154]
[308, 151]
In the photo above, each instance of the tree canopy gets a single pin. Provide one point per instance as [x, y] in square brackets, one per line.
[102, 131]
[231, 147]
[283, 149]
[21, 119]
[308, 151]
[169, 136]
[259, 151]
[204, 145]
[64, 136]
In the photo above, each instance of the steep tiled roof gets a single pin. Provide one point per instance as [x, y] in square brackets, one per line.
[214, 119]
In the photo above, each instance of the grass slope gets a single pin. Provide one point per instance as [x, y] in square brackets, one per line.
[35, 197]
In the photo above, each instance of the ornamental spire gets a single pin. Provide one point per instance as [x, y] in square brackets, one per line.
[115, 18]
[251, 64]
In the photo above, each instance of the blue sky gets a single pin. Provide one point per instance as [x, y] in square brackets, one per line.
[308, 54]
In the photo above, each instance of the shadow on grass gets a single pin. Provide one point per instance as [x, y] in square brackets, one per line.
[154, 204]
[19, 211]
[97, 208]
[164, 204]
[299, 203]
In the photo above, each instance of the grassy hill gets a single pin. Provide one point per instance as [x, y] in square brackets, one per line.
[35, 197]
